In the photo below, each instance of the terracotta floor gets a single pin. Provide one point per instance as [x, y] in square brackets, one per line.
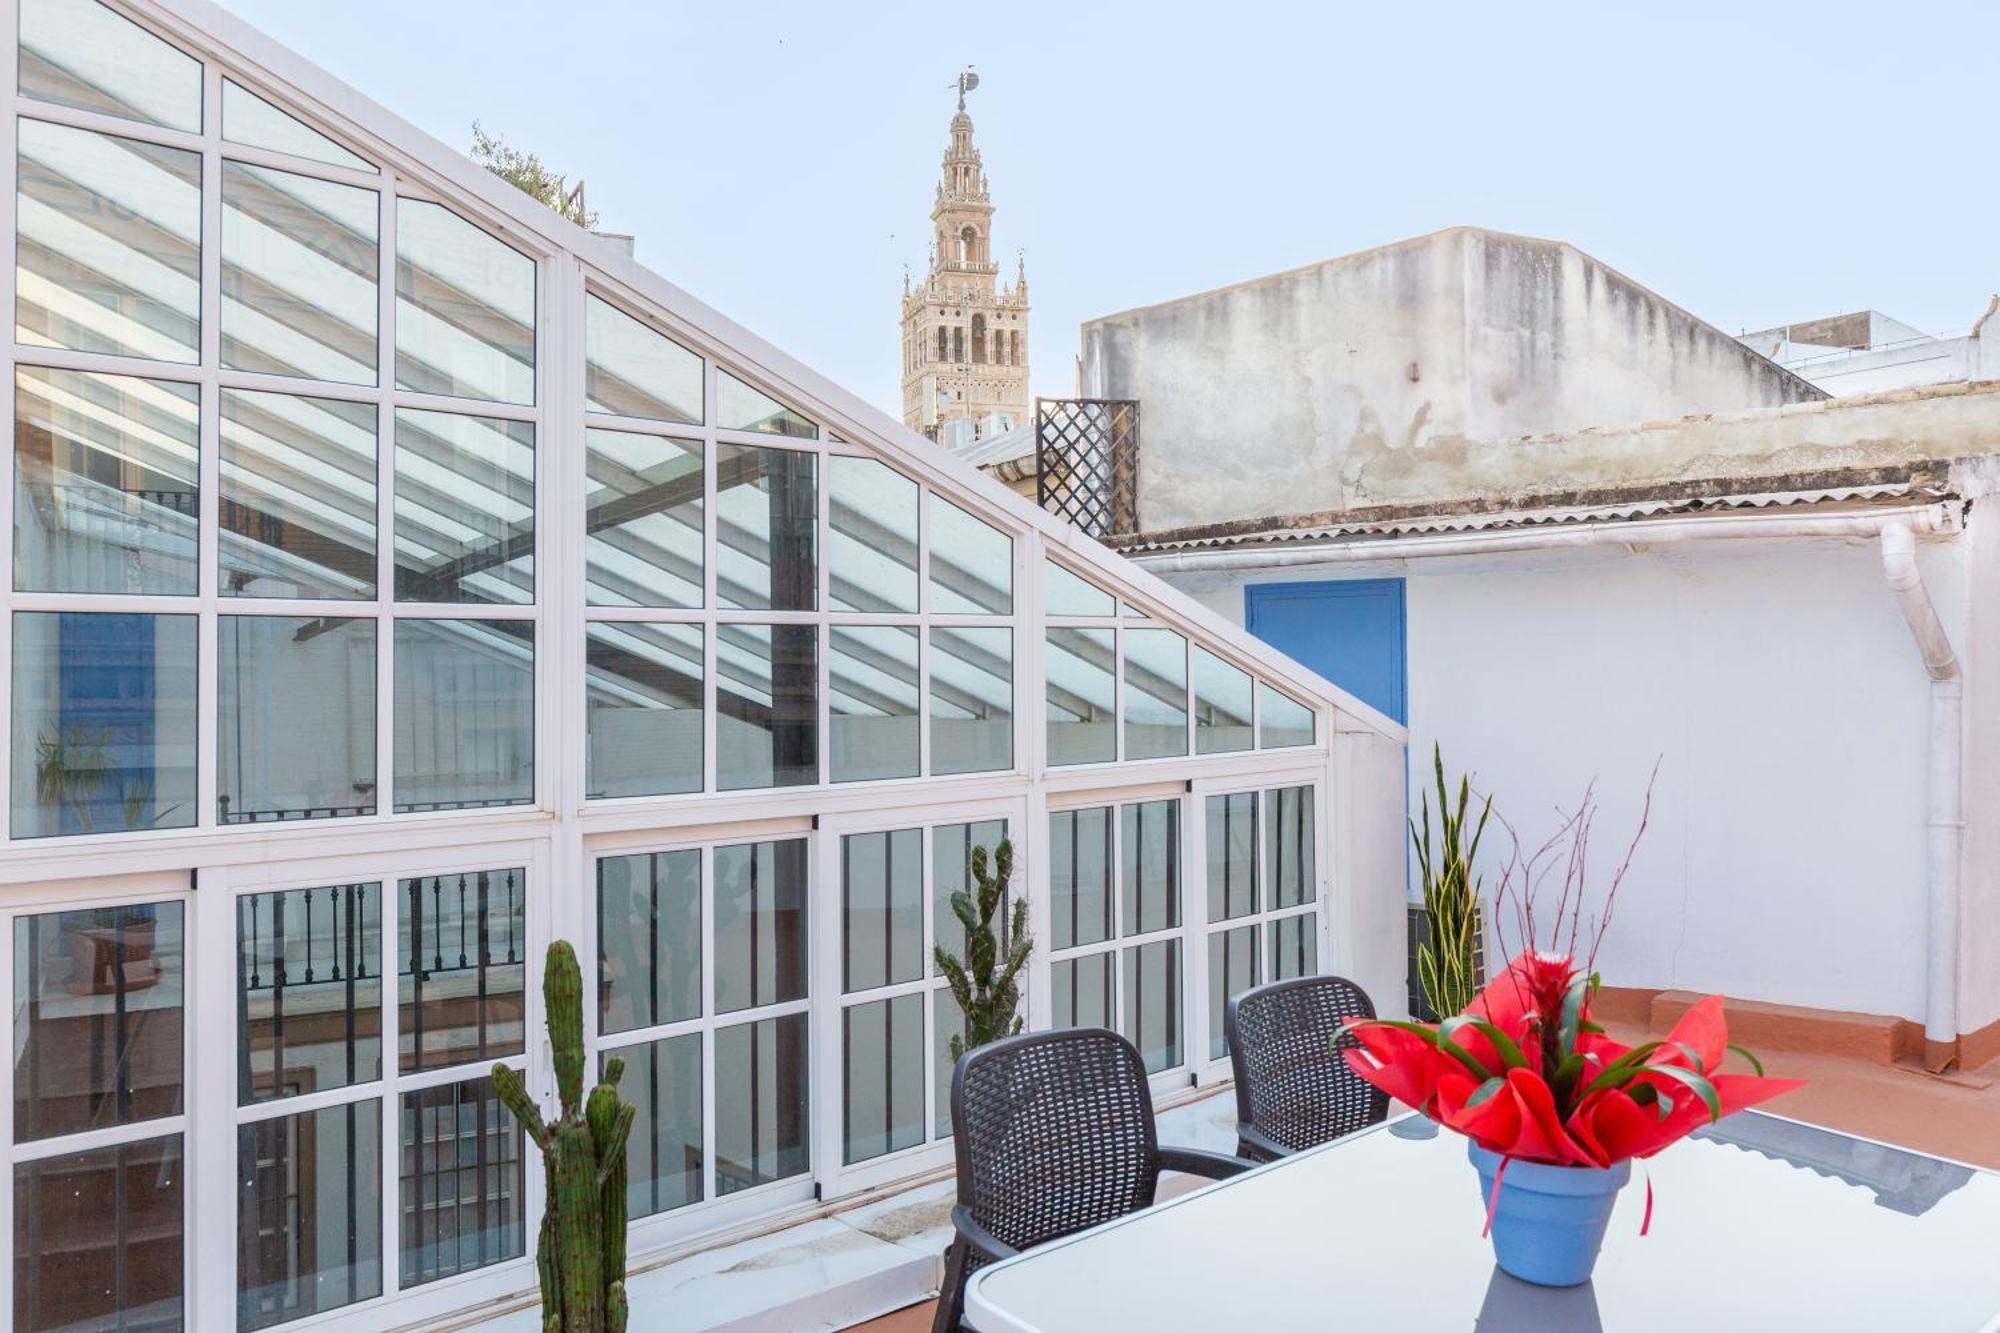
[1956, 1117]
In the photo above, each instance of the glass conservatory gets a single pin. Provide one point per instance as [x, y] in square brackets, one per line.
[402, 579]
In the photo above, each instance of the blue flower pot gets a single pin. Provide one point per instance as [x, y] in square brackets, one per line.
[1550, 1220]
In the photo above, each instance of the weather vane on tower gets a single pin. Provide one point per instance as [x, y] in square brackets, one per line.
[966, 83]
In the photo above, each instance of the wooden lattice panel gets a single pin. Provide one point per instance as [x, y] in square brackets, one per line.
[1087, 456]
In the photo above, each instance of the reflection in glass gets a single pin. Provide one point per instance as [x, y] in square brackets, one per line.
[1156, 684]
[1080, 992]
[761, 1110]
[1081, 696]
[972, 564]
[882, 1082]
[872, 549]
[972, 700]
[642, 519]
[99, 1239]
[465, 309]
[881, 909]
[766, 706]
[98, 1004]
[1153, 1002]
[1064, 594]
[1288, 846]
[1281, 720]
[299, 271]
[1294, 946]
[104, 722]
[760, 924]
[250, 120]
[951, 872]
[295, 718]
[309, 973]
[1080, 876]
[461, 976]
[461, 1189]
[631, 371]
[298, 496]
[1149, 837]
[464, 714]
[1232, 855]
[872, 709]
[648, 940]
[947, 1021]
[1232, 969]
[109, 253]
[465, 508]
[308, 1213]
[643, 712]
[767, 514]
[1221, 705]
[663, 1083]
[740, 407]
[89, 56]
[106, 483]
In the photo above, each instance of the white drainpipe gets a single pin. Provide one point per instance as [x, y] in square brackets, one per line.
[1946, 825]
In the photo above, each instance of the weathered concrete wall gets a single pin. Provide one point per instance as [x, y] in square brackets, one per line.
[1328, 387]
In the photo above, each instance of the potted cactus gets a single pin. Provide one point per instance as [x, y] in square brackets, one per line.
[985, 982]
[581, 1251]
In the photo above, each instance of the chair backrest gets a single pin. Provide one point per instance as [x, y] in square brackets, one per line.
[1290, 1083]
[1054, 1133]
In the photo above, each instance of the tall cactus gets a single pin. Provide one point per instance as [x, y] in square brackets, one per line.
[581, 1252]
[985, 982]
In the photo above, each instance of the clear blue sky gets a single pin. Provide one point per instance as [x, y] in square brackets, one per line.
[1756, 163]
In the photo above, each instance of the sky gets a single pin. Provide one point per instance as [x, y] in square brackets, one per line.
[1755, 163]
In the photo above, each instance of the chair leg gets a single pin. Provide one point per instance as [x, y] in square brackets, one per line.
[951, 1292]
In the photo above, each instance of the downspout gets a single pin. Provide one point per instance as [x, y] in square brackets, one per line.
[1945, 831]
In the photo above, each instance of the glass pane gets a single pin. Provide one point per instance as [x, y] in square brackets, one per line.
[1153, 1002]
[98, 1003]
[308, 1213]
[768, 513]
[947, 1021]
[464, 714]
[1080, 876]
[1150, 865]
[663, 1157]
[104, 722]
[1232, 855]
[85, 55]
[882, 1077]
[642, 517]
[98, 1240]
[740, 407]
[465, 508]
[648, 940]
[109, 256]
[465, 308]
[309, 969]
[951, 872]
[1232, 969]
[761, 1109]
[872, 550]
[1081, 696]
[760, 924]
[1155, 693]
[872, 715]
[644, 711]
[1064, 594]
[1080, 992]
[972, 700]
[1221, 705]
[972, 564]
[631, 371]
[1294, 946]
[298, 496]
[295, 718]
[106, 483]
[1288, 846]
[766, 706]
[249, 119]
[461, 985]
[461, 1189]
[1281, 720]
[299, 275]
[881, 909]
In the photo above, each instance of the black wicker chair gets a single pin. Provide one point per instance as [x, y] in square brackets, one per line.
[1054, 1133]
[1292, 1090]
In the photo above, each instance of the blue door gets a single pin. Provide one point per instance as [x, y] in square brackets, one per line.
[1348, 630]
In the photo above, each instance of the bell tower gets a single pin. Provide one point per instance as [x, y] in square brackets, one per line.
[965, 335]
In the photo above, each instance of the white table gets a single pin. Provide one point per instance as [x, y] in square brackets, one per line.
[1762, 1223]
